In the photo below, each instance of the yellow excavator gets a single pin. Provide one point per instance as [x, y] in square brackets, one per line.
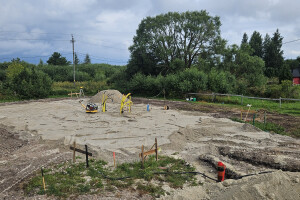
[90, 107]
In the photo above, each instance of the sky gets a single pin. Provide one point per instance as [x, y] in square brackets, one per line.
[104, 29]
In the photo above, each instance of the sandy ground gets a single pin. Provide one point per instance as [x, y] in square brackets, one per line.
[47, 129]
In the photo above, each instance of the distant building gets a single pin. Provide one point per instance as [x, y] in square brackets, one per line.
[296, 76]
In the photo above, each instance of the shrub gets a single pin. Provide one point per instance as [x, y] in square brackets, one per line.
[89, 87]
[192, 80]
[285, 90]
[142, 84]
[221, 81]
[31, 83]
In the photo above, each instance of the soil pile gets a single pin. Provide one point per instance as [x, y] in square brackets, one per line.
[277, 185]
[113, 96]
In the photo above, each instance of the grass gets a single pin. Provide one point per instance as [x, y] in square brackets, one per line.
[70, 180]
[287, 107]
[268, 126]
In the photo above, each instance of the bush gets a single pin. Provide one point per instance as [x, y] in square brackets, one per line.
[89, 87]
[31, 83]
[221, 81]
[285, 90]
[189, 80]
[141, 84]
[192, 80]
[80, 76]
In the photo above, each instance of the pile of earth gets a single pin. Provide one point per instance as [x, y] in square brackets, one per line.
[113, 96]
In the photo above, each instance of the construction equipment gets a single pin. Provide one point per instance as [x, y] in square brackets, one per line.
[249, 106]
[104, 99]
[90, 107]
[125, 102]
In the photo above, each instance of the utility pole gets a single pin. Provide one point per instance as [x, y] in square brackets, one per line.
[73, 41]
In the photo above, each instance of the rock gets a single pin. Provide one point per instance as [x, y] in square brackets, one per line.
[228, 182]
[271, 196]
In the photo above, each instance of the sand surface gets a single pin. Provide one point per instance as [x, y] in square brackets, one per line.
[199, 138]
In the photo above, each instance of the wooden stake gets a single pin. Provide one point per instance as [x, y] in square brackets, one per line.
[43, 179]
[142, 156]
[156, 149]
[265, 120]
[86, 156]
[247, 113]
[114, 154]
[74, 158]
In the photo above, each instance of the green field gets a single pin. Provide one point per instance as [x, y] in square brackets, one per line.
[287, 107]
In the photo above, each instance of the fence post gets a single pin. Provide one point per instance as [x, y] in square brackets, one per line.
[142, 156]
[265, 120]
[74, 157]
[280, 102]
[242, 100]
[254, 115]
[86, 156]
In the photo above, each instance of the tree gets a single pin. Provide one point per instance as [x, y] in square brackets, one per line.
[87, 59]
[256, 44]
[77, 61]
[245, 39]
[162, 39]
[239, 62]
[57, 59]
[292, 63]
[273, 55]
[30, 83]
[285, 73]
[41, 63]
[13, 70]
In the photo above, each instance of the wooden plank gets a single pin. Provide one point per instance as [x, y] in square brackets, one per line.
[148, 152]
[250, 111]
[81, 151]
[156, 149]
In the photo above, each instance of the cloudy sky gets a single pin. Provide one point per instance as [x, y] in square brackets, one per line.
[33, 30]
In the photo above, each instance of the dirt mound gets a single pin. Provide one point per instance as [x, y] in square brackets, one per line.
[264, 186]
[9, 142]
[113, 96]
[250, 128]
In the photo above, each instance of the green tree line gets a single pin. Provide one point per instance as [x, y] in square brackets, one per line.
[174, 52]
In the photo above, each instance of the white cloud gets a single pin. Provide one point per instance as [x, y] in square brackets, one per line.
[105, 28]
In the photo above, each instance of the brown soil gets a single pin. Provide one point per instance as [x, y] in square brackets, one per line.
[288, 122]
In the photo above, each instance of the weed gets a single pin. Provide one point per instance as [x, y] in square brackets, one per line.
[68, 179]
[155, 191]
[269, 126]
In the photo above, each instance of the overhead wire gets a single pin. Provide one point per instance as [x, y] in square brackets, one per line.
[291, 41]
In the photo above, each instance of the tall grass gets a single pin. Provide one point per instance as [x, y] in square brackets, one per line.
[287, 107]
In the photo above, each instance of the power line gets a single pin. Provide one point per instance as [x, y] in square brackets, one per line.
[103, 59]
[39, 33]
[32, 56]
[107, 46]
[94, 57]
[291, 41]
[87, 43]
[4, 39]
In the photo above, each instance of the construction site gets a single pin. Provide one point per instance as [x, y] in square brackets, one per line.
[39, 133]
